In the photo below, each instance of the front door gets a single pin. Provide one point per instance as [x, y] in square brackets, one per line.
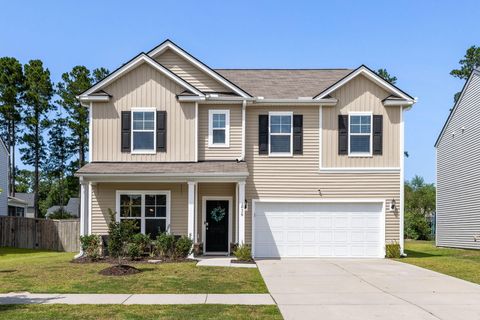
[216, 226]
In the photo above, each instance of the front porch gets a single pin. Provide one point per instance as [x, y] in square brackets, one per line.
[206, 204]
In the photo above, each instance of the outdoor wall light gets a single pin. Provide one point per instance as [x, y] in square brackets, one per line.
[246, 205]
[393, 204]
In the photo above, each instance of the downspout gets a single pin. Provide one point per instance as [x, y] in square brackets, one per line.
[244, 107]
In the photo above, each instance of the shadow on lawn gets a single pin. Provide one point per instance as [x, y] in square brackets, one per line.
[420, 254]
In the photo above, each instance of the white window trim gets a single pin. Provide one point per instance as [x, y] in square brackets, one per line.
[144, 151]
[280, 154]
[211, 112]
[142, 216]
[360, 154]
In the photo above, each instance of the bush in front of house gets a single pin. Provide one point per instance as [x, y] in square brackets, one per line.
[143, 242]
[417, 227]
[133, 250]
[183, 247]
[392, 250]
[243, 253]
[91, 245]
[164, 245]
[119, 235]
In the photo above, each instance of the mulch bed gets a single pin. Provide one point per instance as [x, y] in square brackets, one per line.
[243, 261]
[142, 260]
[119, 270]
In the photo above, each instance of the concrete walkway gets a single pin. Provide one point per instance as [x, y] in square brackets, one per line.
[128, 299]
[359, 289]
[222, 262]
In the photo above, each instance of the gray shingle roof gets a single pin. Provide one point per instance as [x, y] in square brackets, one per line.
[28, 197]
[168, 168]
[73, 206]
[284, 83]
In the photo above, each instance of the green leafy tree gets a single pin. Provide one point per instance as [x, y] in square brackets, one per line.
[60, 151]
[11, 90]
[387, 76]
[37, 98]
[470, 61]
[24, 180]
[72, 84]
[419, 208]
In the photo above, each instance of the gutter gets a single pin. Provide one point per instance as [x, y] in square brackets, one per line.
[242, 154]
[259, 100]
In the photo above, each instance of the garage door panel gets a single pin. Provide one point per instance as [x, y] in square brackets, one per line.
[318, 230]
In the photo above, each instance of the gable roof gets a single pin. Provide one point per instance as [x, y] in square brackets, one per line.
[169, 44]
[72, 207]
[475, 72]
[4, 145]
[29, 198]
[284, 83]
[130, 65]
[370, 74]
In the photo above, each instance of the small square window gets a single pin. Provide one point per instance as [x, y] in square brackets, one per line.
[280, 134]
[360, 133]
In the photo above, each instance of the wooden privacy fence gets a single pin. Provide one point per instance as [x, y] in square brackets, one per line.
[29, 233]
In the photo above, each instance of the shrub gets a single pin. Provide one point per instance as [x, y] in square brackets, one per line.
[119, 235]
[164, 245]
[59, 214]
[143, 242]
[91, 245]
[392, 250]
[183, 247]
[417, 227]
[133, 250]
[243, 253]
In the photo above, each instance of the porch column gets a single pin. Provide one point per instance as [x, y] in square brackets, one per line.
[84, 188]
[241, 212]
[191, 209]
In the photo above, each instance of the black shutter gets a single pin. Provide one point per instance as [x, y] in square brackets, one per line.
[342, 134]
[126, 131]
[161, 131]
[377, 134]
[298, 134]
[262, 134]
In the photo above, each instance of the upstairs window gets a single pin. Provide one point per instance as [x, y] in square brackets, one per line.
[143, 131]
[360, 134]
[280, 133]
[218, 128]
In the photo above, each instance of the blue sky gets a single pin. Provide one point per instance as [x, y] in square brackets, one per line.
[420, 42]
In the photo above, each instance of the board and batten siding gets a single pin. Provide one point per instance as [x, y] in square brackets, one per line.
[3, 181]
[215, 153]
[143, 87]
[458, 173]
[104, 198]
[359, 95]
[299, 176]
[190, 73]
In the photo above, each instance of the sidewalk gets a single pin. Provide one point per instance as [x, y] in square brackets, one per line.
[128, 299]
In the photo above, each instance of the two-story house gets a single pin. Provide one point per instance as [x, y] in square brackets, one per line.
[296, 163]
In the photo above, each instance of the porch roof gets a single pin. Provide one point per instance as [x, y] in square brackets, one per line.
[165, 169]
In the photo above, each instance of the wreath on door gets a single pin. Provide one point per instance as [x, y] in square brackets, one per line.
[217, 214]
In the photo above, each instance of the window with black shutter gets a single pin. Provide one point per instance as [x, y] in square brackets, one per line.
[126, 131]
[263, 134]
[298, 134]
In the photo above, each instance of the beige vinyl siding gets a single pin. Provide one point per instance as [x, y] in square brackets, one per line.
[212, 190]
[458, 173]
[361, 94]
[143, 87]
[235, 149]
[104, 198]
[190, 73]
[298, 176]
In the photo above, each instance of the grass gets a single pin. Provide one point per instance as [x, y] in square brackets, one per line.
[115, 312]
[459, 263]
[51, 272]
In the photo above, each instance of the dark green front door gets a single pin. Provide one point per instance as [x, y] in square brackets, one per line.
[216, 226]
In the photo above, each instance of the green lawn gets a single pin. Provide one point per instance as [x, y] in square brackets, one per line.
[459, 263]
[51, 272]
[57, 311]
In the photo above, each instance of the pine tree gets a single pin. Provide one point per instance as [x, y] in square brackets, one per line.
[37, 97]
[387, 76]
[11, 89]
[470, 61]
[74, 83]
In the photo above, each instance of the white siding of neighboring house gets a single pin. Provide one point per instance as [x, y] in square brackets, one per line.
[458, 172]
[3, 180]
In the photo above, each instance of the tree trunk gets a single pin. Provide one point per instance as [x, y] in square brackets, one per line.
[81, 153]
[13, 169]
[37, 163]
[9, 148]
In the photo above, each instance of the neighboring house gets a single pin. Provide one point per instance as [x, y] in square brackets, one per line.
[72, 207]
[297, 163]
[4, 191]
[458, 174]
[29, 200]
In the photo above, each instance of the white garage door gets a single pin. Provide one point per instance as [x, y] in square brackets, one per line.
[318, 229]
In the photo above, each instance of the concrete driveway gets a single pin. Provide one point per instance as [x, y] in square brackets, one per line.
[367, 289]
